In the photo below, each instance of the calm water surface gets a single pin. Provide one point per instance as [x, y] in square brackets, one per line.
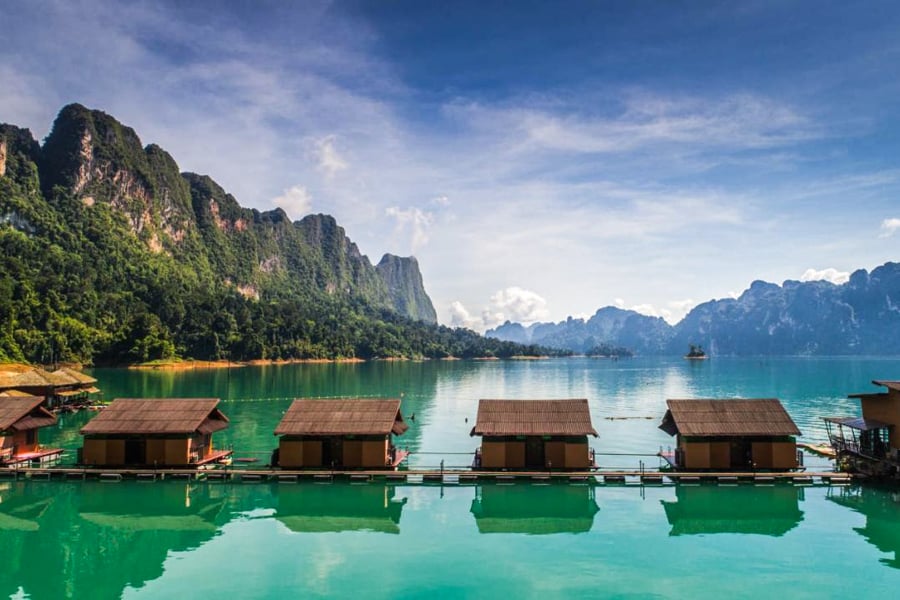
[166, 540]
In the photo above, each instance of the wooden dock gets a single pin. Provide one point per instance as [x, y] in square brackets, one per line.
[428, 476]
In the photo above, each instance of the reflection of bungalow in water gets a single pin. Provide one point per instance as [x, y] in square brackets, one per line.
[333, 508]
[733, 434]
[162, 432]
[763, 510]
[534, 510]
[170, 507]
[20, 511]
[534, 434]
[870, 443]
[60, 389]
[20, 419]
[347, 433]
[882, 511]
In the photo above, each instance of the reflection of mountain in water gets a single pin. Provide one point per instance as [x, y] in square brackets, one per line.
[338, 507]
[533, 509]
[742, 509]
[882, 512]
[92, 540]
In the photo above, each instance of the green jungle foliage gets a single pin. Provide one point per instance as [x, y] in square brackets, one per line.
[109, 255]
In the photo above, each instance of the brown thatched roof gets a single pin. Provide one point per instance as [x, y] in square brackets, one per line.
[355, 416]
[730, 417]
[158, 416]
[20, 413]
[533, 417]
[75, 376]
[33, 378]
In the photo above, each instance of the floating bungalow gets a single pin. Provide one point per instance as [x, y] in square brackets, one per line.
[733, 434]
[20, 419]
[870, 444]
[534, 434]
[173, 432]
[345, 433]
[63, 388]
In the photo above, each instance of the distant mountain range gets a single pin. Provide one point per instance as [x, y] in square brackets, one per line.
[861, 316]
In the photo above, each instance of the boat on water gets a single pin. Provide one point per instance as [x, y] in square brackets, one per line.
[696, 353]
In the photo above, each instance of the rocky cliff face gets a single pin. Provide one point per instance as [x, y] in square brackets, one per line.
[404, 283]
[861, 316]
[94, 159]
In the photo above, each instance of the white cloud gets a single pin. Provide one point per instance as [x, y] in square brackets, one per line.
[441, 201]
[515, 304]
[833, 275]
[330, 162]
[889, 227]
[673, 312]
[460, 317]
[416, 220]
[296, 201]
[511, 304]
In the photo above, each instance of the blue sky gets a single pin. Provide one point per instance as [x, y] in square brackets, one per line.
[541, 159]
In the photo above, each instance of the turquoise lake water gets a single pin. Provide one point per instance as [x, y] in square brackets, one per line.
[212, 540]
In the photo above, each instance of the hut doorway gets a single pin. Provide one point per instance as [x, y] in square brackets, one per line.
[333, 452]
[741, 454]
[135, 452]
[534, 452]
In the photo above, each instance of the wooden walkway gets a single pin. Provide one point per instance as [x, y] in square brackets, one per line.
[251, 475]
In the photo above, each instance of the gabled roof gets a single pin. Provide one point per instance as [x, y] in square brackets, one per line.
[354, 416]
[730, 417]
[158, 416]
[533, 417]
[20, 413]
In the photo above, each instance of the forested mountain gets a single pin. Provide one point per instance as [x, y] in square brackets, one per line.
[110, 254]
[861, 316]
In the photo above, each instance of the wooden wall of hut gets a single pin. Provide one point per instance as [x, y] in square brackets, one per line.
[356, 452]
[717, 454]
[884, 408]
[558, 453]
[153, 451]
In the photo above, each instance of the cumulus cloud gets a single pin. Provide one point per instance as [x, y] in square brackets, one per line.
[460, 317]
[296, 201]
[417, 221]
[330, 162]
[833, 275]
[511, 304]
[889, 227]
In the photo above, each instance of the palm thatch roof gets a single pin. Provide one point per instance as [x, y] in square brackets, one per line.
[533, 417]
[728, 418]
[178, 416]
[20, 413]
[345, 416]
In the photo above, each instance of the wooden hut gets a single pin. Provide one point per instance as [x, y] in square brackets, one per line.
[20, 419]
[342, 433]
[161, 432]
[60, 389]
[734, 434]
[870, 443]
[534, 434]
